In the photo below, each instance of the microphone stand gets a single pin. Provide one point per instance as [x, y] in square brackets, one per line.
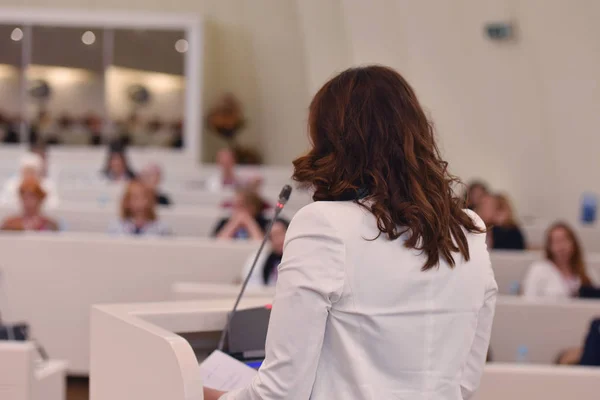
[278, 210]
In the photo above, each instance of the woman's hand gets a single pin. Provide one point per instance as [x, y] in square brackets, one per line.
[249, 223]
[212, 394]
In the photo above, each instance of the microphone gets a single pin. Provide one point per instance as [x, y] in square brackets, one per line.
[284, 196]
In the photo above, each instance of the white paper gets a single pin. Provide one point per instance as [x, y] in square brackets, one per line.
[223, 372]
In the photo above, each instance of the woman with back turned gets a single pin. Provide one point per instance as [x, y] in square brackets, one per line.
[385, 289]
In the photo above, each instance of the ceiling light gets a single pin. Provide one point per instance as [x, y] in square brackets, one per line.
[181, 46]
[16, 34]
[88, 38]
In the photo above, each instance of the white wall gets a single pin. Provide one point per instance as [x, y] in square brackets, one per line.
[522, 116]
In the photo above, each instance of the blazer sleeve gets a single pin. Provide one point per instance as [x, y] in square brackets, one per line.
[310, 281]
[473, 369]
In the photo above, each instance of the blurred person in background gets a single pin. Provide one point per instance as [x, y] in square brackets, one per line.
[476, 190]
[31, 218]
[586, 355]
[226, 177]
[265, 273]
[117, 167]
[486, 209]
[138, 213]
[177, 134]
[505, 233]
[151, 176]
[563, 272]
[93, 125]
[32, 166]
[246, 220]
[9, 131]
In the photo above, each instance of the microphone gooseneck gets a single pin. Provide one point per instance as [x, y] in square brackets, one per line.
[284, 196]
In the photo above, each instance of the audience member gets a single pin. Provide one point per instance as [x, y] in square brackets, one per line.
[265, 273]
[93, 125]
[474, 193]
[487, 207]
[226, 177]
[31, 218]
[9, 130]
[151, 176]
[117, 168]
[177, 141]
[589, 354]
[563, 271]
[591, 349]
[502, 230]
[505, 233]
[138, 214]
[32, 166]
[246, 221]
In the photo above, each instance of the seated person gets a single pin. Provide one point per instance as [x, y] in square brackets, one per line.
[117, 168]
[227, 176]
[502, 230]
[589, 354]
[32, 166]
[486, 209]
[138, 215]
[474, 193]
[563, 272]
[265, 272]
[505, 233]
[151, 176]
[246, 221]
[31, 218]
[591, 349]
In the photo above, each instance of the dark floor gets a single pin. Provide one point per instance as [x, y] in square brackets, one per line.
[77, 389]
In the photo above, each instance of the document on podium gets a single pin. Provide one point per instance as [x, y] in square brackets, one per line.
[223, 372]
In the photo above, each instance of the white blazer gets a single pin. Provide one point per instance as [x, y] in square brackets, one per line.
[543, 279]
[357, 319]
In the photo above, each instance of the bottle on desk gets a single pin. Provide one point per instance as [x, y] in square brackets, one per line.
[522, 354]
[515, 288]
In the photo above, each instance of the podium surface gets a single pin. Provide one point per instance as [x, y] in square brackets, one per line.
[144, 350]
[151, 351]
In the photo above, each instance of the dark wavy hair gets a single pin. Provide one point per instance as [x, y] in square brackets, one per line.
[372, 143]
[576, 262]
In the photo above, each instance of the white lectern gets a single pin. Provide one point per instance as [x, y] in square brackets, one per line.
[150, 351]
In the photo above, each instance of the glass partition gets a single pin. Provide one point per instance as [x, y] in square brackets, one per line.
[11, 83]
[145, 87]
[65, 86]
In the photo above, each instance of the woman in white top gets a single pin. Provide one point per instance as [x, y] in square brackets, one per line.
[138, 213]
[32, 167]
[385, 290]
[563, 272]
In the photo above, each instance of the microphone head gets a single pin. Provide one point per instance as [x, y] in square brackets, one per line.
[284, 195]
